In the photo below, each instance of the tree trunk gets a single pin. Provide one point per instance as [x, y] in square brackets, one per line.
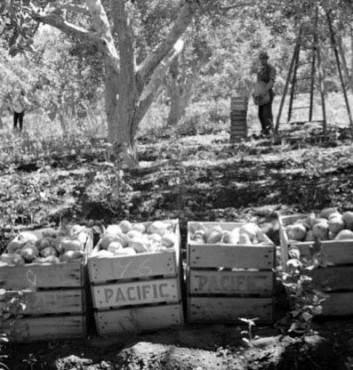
[344, 62]
[120, 105]
[174, 90]
[175, 111]
[111, 94]
[180, 90]
[351, 50]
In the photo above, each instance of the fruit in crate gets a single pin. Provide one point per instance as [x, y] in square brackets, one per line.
[125, 226]
[336, 224]
[49, 251]
[68, 243]
[250, 229]
[168, 240]
[46, 246]
[329, 224]
[214, 237]
[29, 252]
[321, 230]
[347, 217]
[196, 226]
[231, 237]
[114, 247]
[244, 239]
[159, 227]
[53, 260]
[140, 244]
[247, 234]
[139, 227]
[113, 230]
[344, 235]
[129, 238]
[71, 256]
[107, 239]
[296, 232]
[326, 212]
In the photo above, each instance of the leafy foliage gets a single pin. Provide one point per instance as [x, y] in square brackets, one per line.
[306, 300]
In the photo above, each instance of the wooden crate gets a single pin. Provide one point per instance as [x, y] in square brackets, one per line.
[335, 279]
[139, 292]
[238, 114]
[54, 296]
[226, 282]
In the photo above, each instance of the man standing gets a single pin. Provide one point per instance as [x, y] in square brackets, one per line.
[264, 93]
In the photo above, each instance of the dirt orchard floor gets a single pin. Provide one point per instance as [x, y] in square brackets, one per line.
[192, 178]
[206, 347]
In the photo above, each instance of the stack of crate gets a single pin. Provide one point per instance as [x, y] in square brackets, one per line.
[54, 299]
[226, 282]
[335, 279]
[238, 123]
[136, 293]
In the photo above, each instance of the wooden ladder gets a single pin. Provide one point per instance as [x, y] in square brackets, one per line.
[293, 78]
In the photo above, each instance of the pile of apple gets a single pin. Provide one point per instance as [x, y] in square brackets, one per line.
[48, 246]
[126, 239]
[247, 234]
[329, 224]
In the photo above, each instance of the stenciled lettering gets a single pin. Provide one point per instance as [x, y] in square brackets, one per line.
[120, 296]
[163, 295]
[231, 283]
[145, 290]
[130, 289]
[123, 294]
[108, 294]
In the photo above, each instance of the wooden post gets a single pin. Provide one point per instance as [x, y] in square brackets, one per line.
[334, 47]
[294, 80]
[321, 84]
[313, 61]
[287, 83]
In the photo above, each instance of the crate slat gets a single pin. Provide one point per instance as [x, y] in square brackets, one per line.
[338, 304]
[207, 309]
[41, 276]
[136, 293]
[338, 252]
[51, 302]
[128, 267]
[137, 319]
[208, 256]
[46, 328]
[231, 282]
[333, 278]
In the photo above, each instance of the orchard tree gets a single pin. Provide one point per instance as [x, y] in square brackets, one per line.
[130, 84]
[184, 73]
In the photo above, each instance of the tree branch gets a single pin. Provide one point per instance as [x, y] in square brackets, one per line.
[182, 22]
[156, 80]
[103, 29]
[77, 9]
[239, 5]
[61, 24]
[72, 6]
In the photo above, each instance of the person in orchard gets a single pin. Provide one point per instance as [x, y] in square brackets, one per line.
[19, 105]
[263, 93]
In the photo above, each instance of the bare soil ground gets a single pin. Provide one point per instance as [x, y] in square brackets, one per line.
[191, 178]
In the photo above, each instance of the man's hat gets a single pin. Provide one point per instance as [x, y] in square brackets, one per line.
[263, 54]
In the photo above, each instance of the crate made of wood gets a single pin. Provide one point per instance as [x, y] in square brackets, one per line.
[138, 292]
[226, 282]
[335, 279]
[54, 298]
